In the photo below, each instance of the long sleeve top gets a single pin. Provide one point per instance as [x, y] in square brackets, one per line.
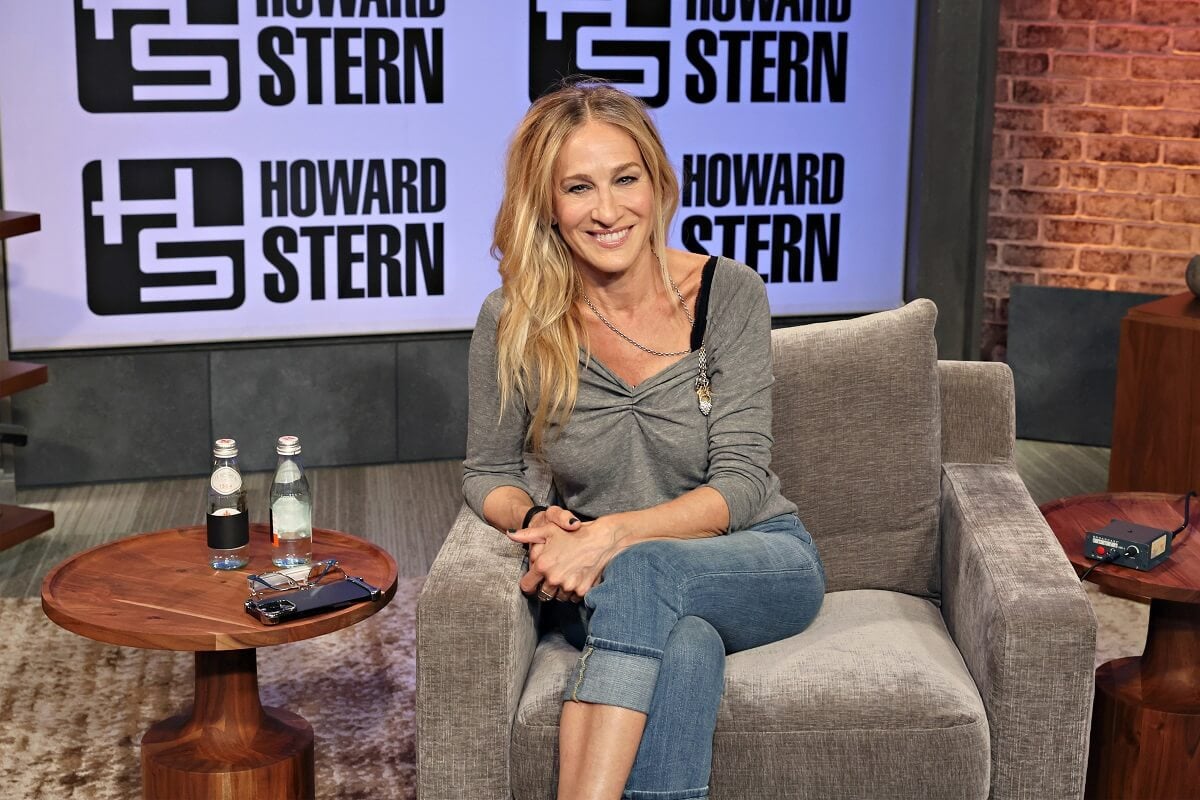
[625, 447]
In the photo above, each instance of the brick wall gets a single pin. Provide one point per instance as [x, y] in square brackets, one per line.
[1095, 178]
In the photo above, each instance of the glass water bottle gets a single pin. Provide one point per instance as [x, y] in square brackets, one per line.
[228, 520]
[291, 508]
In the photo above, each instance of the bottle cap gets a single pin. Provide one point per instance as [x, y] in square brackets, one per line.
[288, 446]
[225, 448]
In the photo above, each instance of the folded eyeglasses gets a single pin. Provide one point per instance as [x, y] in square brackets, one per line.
[302, 577]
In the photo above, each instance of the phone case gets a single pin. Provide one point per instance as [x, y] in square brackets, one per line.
[295, 603]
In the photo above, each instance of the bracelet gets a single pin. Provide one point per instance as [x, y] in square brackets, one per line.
[530, 514]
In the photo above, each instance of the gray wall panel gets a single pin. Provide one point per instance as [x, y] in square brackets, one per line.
[951, 156]
[431, 396]
[338, 398]
[1062, 347]
[104, 417]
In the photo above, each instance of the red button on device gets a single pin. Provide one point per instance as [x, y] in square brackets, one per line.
[1100, 550]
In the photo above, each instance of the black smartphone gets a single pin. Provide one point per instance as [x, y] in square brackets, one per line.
[296, 603]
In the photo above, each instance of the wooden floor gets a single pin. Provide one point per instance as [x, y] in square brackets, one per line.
[405, 508]
[1051, 470]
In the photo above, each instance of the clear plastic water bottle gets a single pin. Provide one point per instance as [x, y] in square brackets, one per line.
[291, 508]
[227, 520]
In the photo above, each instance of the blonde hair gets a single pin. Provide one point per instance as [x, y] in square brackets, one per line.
[539, 334]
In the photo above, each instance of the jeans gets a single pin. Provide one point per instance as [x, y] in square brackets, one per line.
[658, 628]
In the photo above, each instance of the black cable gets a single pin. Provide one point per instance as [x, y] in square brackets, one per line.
[1108, 559]
[1187, 515]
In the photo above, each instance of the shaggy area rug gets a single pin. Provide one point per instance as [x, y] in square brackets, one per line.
[72, 711]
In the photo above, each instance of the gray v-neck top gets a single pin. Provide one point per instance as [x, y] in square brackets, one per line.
[627, 448]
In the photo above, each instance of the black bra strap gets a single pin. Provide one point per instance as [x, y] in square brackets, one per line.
[706, 277]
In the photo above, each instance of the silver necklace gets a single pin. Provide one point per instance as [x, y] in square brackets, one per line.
[702, 386]
[638, 345]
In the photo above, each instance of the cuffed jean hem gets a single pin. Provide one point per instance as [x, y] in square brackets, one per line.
[613, 677]
[680, 794]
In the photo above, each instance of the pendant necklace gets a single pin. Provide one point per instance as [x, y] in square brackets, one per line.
[703, 390]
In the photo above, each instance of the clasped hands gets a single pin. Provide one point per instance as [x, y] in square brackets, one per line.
[566, 557]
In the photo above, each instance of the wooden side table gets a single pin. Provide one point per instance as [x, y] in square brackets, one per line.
[1146, 717]
[16, 522]
[1156, 416]
[156, 591]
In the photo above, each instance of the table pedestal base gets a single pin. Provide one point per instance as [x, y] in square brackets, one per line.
[1146, 718]
[229, 746]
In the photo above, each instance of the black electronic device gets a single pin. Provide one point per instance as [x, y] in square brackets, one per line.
[303, 601]
[1128, 544]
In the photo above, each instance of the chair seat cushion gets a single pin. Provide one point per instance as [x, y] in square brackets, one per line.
[873, 700]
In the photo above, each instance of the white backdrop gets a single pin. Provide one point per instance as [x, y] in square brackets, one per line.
[195, 161]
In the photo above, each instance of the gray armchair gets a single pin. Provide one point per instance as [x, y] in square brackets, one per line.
[953, 656]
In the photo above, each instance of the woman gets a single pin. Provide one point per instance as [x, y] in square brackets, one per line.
[641, 376]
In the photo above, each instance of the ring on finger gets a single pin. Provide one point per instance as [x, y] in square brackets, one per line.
[544, 596]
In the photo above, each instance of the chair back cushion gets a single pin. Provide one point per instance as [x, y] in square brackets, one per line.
[857, 424]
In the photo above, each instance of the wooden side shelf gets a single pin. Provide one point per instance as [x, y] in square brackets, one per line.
[15, 223]
[17, 376]
[16, 522]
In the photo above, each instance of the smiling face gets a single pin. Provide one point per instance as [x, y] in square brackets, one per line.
[603, 199]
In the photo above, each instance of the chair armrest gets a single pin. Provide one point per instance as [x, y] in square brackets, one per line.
[1024, 626]
[475, 640]
[978, 412]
